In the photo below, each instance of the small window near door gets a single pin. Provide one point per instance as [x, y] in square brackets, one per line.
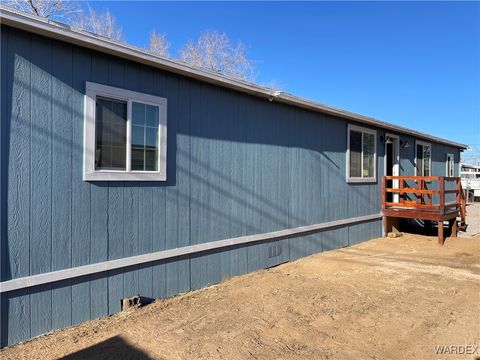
[450, 165]
[423, 159]
[361, 154]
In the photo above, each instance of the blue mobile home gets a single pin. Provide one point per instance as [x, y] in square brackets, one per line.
[123, 173]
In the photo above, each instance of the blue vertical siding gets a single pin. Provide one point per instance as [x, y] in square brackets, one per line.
[62, 112]
[18, 125]
[81, 224]
[115, 241]
[236, 165]
[41, 183]
[159, 203]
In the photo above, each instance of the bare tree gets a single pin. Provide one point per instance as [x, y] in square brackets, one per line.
[159, 44]
[103, 24]
[275, 85]
[214, 51]
[70, 12]
[58, 9]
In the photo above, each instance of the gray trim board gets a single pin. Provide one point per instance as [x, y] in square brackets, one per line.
[59, 275]
[42, 26]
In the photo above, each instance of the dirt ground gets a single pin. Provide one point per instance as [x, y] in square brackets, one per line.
[383, 299]
[473, 220]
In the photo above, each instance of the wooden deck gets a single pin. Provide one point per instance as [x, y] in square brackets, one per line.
[429, 198]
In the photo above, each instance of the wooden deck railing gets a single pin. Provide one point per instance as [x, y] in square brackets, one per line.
[425, 193]
[424, 197]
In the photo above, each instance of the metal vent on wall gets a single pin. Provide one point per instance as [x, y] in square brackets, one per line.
[274, 251]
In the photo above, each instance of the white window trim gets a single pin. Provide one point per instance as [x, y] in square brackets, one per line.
[423, 143]
[446, 164]
[361, 179]
[92, 90]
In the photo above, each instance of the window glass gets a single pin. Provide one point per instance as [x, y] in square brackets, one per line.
[368, 155]
[426, 161]
[144, 137]
[450, 165]
[110, 134]
[361, 154]
[423, 160]
[151, 116]
[419, 160]
[355, 153]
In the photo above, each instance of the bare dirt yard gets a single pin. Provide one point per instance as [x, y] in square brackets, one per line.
[383, 299]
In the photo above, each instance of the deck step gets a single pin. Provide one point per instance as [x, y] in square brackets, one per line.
[462, 225]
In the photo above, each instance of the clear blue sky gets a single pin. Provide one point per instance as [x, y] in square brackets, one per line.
[413, 64]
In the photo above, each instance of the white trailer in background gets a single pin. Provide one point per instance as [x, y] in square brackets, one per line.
[470, 175]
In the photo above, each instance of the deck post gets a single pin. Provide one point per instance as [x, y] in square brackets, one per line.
[419, 194]
[441, 238]
[384, 226]
[458, 186]
[442, 193]
[384, 195]
[390, 224]
[453, 227]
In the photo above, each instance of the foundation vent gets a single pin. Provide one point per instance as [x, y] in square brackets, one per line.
[274, 251]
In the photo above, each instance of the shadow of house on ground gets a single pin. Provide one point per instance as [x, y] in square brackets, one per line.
[113, 348]
[422, 227]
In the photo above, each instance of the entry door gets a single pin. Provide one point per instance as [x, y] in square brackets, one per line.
[392, 163]
[450, 165]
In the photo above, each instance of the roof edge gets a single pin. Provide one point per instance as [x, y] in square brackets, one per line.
[55, 30]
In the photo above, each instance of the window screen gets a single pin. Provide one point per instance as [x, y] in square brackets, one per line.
[368, 155]
[144, 137]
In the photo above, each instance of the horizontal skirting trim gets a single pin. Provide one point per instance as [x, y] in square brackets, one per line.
[54, 276]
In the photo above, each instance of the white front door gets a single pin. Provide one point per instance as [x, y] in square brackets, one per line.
[450, 163]
[392, 161]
